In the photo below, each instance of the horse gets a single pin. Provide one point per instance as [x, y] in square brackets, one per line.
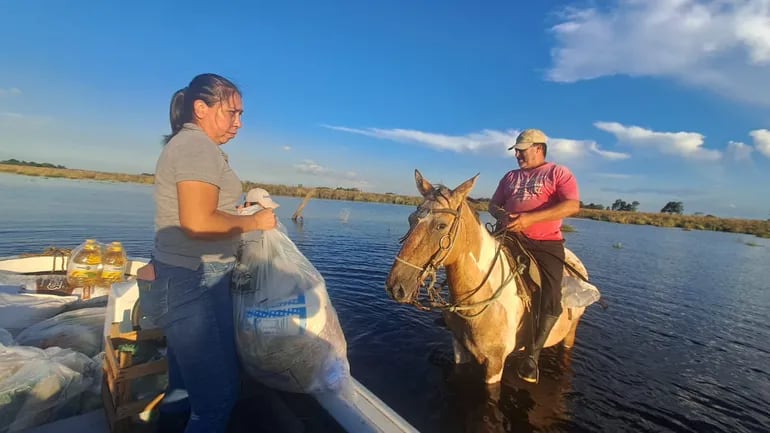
[486, 306]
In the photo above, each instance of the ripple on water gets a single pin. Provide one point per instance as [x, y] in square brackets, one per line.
[683, 346]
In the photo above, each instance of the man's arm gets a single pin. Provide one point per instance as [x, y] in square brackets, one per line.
[561, 210]
[496, 210]
[496, 203]
[568, 205]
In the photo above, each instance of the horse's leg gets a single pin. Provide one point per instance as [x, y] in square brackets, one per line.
[569, 339]
[462, 356]
[462, 362]
[493, 368]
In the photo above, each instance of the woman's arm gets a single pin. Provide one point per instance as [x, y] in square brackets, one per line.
[200, 219]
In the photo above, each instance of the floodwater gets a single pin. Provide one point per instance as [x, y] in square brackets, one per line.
[683, 347]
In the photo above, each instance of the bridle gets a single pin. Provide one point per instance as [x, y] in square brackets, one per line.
[445, 244]
[436, 262]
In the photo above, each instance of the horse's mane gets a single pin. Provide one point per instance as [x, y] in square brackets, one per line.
[444, 192]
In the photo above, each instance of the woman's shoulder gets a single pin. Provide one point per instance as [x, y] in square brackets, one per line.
[191, 139]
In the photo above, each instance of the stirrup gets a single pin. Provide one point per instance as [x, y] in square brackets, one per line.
[527, 378]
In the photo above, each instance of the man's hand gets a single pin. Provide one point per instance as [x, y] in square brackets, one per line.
[518, 222]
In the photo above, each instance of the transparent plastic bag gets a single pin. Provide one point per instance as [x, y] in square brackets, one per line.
[14, 282]
[79, 330]
[40, 386]
[577, 293]
[22, 310]
[287, 331]
[6, 339]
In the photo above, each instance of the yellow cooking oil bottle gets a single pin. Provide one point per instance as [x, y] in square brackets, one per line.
[113, 264]
[83, 269]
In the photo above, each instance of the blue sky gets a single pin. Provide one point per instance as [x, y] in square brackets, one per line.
[652, 101]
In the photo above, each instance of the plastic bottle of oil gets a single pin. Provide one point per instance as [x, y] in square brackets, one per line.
[113, 264]
[83, 270]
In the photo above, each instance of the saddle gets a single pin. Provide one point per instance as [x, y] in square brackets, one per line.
[527, 270]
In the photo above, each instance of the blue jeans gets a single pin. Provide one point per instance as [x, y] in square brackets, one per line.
[195, 311]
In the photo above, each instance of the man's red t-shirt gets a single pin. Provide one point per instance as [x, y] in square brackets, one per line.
[531, 190]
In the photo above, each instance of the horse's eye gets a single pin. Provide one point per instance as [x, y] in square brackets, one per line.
[441, 226]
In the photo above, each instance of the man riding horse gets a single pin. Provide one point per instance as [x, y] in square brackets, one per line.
[531, 202]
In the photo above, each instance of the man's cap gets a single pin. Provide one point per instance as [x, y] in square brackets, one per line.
[528, 137]
[261, 197]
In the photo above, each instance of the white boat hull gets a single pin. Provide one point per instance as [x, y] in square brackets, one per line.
[359, 412]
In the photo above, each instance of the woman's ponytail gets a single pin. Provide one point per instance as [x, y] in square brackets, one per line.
[176, 114]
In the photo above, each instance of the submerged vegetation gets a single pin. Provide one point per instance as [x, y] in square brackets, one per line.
[760, 228]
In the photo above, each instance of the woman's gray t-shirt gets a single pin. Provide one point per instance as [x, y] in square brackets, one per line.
[192, 155]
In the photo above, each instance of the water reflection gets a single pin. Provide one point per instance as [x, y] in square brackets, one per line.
[683, 346]
[512, 406]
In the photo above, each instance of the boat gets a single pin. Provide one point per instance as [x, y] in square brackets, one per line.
[361, 411]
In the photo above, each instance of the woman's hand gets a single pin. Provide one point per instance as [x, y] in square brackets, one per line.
[265, 219]
[146, 272]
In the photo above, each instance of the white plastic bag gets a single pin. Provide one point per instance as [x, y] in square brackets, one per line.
[577, 293]
[21, 310]
[40, 386]
[14, 282]
[79, 330]
[287, 331]
[6, 339]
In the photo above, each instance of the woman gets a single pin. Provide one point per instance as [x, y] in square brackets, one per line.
[197, 234]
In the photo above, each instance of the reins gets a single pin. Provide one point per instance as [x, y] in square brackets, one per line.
[503, 233]
[435, 300]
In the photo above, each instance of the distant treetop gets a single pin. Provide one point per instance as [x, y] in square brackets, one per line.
[31, 163]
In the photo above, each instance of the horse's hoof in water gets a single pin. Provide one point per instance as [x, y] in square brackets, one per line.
[528, 370]
[441, 358]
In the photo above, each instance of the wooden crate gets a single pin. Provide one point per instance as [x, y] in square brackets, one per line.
[119, 370]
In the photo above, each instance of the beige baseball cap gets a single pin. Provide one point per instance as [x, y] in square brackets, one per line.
[261, 197]
[528, 137]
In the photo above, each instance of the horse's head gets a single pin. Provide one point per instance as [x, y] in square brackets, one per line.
[428, 245]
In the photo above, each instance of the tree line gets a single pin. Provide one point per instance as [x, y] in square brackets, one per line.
[13, 161]
[672, 207]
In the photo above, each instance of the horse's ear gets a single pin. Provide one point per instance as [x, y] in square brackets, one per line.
[423, 186]
[465, 188]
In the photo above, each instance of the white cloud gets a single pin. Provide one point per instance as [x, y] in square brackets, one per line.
[739, 151]
[568, 149]
[485, 140]
[685, 144]
[310, 167]
[473, 142]
[761, 141]
[716, 44]
[345, 178]
[606, 153]
[286, 148]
